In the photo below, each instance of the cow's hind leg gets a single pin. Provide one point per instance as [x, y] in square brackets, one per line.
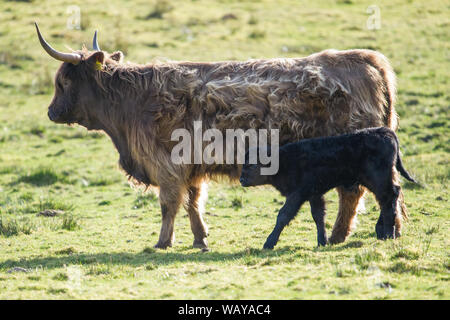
[402, 213]
[317, 204]
[195, 207]
[348, 202]
[170, 198]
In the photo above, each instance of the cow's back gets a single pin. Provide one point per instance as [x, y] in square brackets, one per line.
[327, 93]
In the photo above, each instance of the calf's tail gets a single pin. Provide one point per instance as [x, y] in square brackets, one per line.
[401, 169]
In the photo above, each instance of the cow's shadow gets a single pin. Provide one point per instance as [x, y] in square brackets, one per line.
[154, 257]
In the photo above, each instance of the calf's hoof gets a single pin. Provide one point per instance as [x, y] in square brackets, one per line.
[389, 232]
[386, 235]
[322, 243]
[200, 244]
[163, 244]
[268, 246]
[380, 234]
[379, 231]
[389, 236]
[384, 238]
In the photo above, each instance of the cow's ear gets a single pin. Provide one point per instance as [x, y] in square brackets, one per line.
[117, 56]
[96, 60]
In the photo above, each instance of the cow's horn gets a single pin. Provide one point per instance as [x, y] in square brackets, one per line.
[62, 56]
[95, 42]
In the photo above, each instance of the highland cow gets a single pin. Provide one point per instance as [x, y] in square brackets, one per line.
[311, 167]
[139, 106]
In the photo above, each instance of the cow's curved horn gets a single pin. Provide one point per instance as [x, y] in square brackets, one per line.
[95, 42]
[62, 56]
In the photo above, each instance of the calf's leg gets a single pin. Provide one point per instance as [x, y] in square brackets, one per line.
[318, 212]
[194, 206]
[348, 202]
[286, 214]
[379, 228]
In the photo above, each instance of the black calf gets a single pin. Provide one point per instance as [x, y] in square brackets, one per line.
[311, 167]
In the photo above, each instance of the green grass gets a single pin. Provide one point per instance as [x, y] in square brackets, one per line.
[102, 245]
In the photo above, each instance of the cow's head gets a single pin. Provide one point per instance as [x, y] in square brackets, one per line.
[76, 91]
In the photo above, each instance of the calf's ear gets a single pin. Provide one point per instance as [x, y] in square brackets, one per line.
[96, 60]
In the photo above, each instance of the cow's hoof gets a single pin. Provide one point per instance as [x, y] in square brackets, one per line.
[163, 245]
[200, 244]
[397, 233]
[335, 239]
[268, 246]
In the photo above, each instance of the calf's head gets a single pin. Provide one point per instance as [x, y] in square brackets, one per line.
[77, 96]
[251, 174]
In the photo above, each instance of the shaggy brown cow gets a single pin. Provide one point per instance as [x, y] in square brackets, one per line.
[139, 106]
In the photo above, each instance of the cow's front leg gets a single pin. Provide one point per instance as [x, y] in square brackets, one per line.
[170, 199]
[195, 207]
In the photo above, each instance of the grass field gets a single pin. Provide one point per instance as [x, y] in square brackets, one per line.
[101, 246]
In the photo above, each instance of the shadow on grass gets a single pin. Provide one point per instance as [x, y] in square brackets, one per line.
[156, 257]
[348, 245]
[41, 177]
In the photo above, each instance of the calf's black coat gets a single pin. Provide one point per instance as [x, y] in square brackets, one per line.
[311, 167]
